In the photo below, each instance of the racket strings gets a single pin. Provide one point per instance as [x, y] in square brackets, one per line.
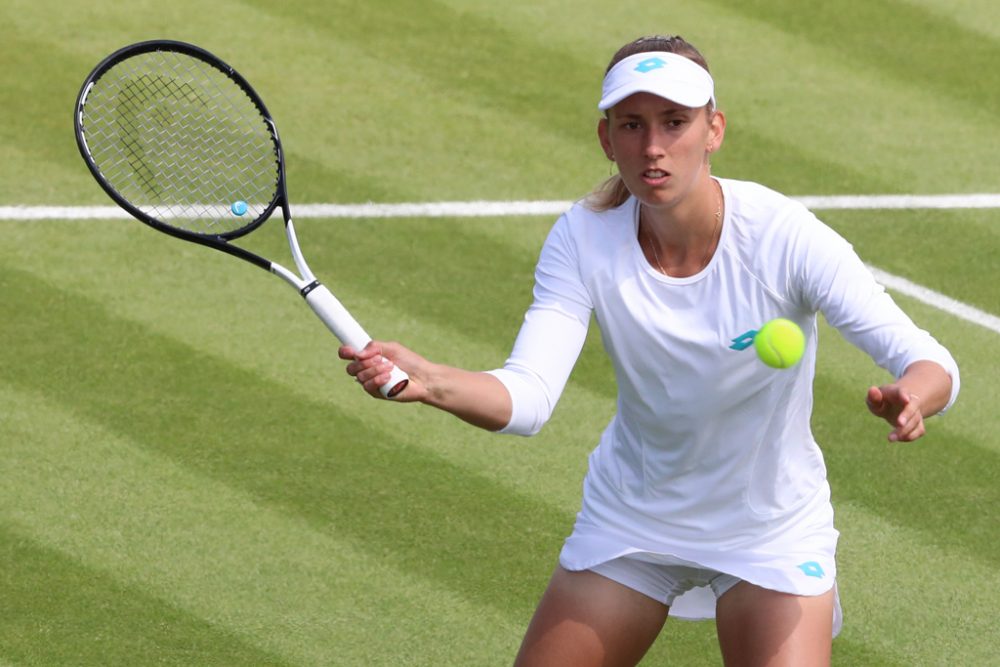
[182, 142]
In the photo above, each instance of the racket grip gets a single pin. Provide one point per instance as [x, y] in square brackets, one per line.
[343, 325]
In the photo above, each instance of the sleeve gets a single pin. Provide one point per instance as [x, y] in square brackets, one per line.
[551, 337]
[836, 282]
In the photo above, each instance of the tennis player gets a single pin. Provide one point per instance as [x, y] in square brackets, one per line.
[706, 495]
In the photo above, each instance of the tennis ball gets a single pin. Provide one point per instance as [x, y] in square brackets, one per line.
[780, 343]
[238, 207]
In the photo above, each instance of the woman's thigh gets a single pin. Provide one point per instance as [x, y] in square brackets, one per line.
[759, 627]
[585, 619]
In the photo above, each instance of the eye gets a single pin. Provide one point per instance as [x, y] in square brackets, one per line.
[630, 125]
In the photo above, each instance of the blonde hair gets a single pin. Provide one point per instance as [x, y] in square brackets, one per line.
[612, 193]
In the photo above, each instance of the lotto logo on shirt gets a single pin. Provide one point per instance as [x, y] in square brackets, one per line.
[743, 341]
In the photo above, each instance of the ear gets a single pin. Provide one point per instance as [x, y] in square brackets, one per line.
[716, 131]
[605, 139]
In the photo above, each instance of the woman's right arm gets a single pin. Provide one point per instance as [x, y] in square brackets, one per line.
[477, 398]
[520, 397]
[517, 399]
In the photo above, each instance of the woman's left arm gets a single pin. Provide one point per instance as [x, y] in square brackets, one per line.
[836, 282]
[923, 390]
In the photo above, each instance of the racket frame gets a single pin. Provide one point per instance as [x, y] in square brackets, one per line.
[326, 306]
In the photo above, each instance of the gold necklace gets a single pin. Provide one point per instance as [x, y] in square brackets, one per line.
[656, 255]
[708, 249]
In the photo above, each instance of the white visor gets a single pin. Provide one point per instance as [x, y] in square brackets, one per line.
[666, 75]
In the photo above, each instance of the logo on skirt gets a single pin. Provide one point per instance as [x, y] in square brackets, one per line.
[812, 569]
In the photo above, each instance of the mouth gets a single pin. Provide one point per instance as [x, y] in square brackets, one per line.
[655, 176]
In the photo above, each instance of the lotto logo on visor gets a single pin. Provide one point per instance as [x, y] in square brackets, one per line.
[650, 64]
[667, 75]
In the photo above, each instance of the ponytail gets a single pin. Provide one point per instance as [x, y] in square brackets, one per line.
[610, 194]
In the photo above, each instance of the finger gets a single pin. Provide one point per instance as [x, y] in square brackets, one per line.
[875, 400]
[910, 410]
[911, 422]
[346, 352]
[909, 419]
[372, 349]
[376, 370]
[360, 368]
[918, 432]
[373, 385]
[367, 369]
[912, 430]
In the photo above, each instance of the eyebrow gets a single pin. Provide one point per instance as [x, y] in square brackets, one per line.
[669, 111]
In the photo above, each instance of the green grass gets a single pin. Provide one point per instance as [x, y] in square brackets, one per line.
[191, 479]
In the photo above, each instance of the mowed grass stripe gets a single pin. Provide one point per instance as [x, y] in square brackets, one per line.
[375, 142]
[859, 37]
[972, 15]
[462, 55]
[60, 611]
[309, 458]
[793, 123]
[286, 585]
[800, 92]
[785, 94]
[375, 135]
[234, 312]
[952, 252]
[943, 486]
[910, 599]
[411, 136]
[39, 140]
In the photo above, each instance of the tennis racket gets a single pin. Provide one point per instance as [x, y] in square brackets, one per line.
[182, 142]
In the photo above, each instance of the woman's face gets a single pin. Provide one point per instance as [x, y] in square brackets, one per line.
[660, 146]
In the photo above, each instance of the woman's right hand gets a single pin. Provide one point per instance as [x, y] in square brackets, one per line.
[478, 398]
[371, 366]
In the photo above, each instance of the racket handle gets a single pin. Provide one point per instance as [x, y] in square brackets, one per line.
[349, 332]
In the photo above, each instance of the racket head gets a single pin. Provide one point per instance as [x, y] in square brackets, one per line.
[180, 140]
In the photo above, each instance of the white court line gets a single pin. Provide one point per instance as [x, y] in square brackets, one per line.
[937, 300]
[468, 209]
[514, 208]
[900, 201]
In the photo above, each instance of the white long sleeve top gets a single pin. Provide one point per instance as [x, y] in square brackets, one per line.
[710, 456]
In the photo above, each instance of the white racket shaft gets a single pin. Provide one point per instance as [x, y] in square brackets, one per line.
[349, 332]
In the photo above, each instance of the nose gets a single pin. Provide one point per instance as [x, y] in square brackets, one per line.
[654, 143]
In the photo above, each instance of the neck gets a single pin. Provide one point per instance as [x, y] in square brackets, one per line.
[679, 241]
[691, 217]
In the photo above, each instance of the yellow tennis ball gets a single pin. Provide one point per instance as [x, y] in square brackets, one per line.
[780, 343]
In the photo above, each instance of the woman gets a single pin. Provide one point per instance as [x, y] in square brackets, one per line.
[706, 495]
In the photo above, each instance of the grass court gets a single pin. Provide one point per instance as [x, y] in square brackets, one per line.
[189, 477]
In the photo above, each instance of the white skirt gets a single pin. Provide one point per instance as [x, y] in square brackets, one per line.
[796, 558]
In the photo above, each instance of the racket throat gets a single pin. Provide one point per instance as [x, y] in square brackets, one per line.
[293, 245]
[309, 288]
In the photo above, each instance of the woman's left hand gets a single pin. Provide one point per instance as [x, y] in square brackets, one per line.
[898, 407]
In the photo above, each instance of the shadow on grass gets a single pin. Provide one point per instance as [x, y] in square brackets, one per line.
[59, 612]
[943, 486]
[403, 504]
